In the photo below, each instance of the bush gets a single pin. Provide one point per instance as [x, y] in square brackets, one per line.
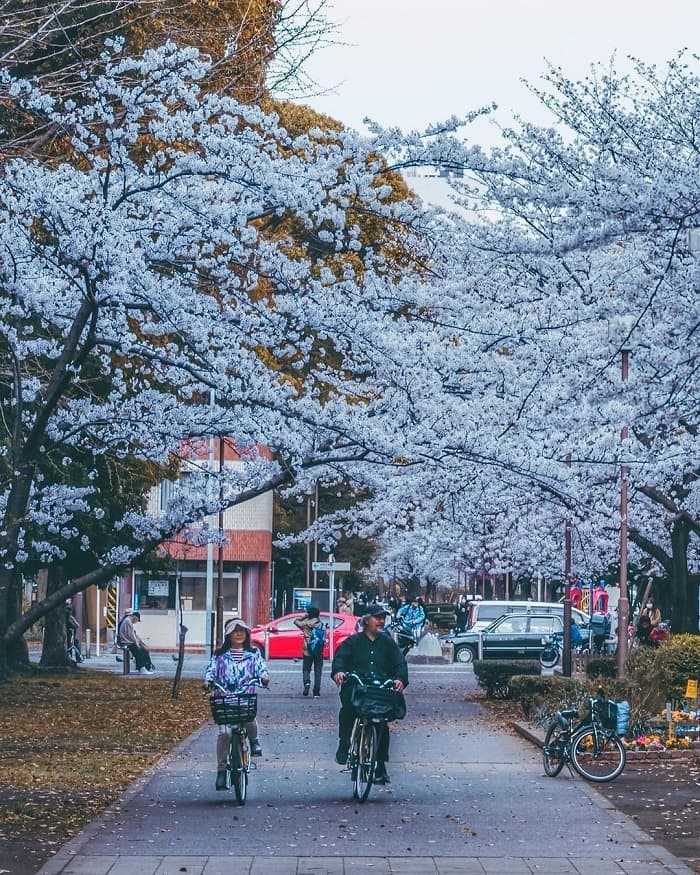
[677, 660]
[655, 676]
[541, 696]
[601, 667]
[494, 676]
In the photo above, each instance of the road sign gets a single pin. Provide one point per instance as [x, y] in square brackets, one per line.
[330, 566]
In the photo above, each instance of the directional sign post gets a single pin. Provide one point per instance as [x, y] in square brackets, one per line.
[331, 567]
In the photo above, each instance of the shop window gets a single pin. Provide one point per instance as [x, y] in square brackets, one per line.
[156, 594]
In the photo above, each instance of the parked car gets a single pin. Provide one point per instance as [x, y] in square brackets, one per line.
[513, 636]
[285, 639]
[482, 613]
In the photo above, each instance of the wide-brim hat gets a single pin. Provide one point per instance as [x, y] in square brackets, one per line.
[233, 623]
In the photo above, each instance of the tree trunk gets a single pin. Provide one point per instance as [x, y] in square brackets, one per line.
[53, 652]
[17, 651]
[684, 610]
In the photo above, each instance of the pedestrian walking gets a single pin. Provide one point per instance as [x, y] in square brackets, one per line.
[312, 653]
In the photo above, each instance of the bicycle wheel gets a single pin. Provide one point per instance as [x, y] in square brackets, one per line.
[366, 761]
[597, 755]
[554, 750]
[239, 766]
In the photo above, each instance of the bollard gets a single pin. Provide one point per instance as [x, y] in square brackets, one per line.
[126, 665]
[88, 635]
[267, 644]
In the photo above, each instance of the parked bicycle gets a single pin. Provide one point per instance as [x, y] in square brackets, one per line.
[592, 746]
[376, 705]
[229, 708]
[553, 648]
[73, 651]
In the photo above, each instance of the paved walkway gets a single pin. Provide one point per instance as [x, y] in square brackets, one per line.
[463, 799]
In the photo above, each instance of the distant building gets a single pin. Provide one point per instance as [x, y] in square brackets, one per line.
[188, 592]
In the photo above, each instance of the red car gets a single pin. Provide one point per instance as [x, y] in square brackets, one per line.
[285, 639]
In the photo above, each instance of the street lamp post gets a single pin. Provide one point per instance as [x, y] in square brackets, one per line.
[220, 556]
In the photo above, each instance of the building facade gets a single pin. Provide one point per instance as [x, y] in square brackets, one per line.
[239, 569]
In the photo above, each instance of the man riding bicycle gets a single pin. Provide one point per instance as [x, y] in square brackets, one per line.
[374, 656]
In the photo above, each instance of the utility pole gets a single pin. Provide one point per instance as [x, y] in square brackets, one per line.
[220, 563]
[623, 604]
[566, 643]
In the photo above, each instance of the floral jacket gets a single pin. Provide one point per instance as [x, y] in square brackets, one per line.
[236, 675]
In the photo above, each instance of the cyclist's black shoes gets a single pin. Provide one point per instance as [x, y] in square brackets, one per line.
[306, 690]
[341, 755]
[221, 780]
[255, 749]
[380, 775]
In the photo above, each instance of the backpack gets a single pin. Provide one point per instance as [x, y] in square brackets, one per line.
[317, 640]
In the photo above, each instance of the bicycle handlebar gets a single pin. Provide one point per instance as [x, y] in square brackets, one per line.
[353, 677]
[213, 685]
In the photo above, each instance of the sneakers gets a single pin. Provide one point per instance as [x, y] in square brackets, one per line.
[306, 690]
[255, 749]
[221, 780]
[380, 775]
[145, 670]
[341, 755]
[317, 695]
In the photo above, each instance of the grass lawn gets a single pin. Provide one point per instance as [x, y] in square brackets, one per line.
[70, 743]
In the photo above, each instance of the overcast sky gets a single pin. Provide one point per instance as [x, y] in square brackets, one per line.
[410, 62]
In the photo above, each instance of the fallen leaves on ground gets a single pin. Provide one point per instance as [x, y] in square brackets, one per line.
[71, 743]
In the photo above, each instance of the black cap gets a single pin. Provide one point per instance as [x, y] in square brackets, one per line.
[375, 611]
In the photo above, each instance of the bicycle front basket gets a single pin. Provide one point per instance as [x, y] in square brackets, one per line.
[234, 708]
[378, 702]
[606, 713]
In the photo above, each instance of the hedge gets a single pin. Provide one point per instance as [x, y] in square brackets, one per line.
[494, 675]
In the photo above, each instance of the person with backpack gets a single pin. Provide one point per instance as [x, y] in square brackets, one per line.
[312, 653]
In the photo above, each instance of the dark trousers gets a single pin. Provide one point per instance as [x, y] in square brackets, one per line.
[317, 662]
[346, 718]
[142, 657]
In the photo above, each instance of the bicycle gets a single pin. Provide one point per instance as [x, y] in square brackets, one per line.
[553, 649]
[376, 704]
[73, 651]
[592, 746]
[235, 710]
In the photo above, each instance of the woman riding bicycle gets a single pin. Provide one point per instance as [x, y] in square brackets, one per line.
[373, 656]
[235, 666]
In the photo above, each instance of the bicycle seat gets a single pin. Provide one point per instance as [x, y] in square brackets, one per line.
[569, 713]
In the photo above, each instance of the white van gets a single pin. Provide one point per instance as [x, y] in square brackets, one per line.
[483, 613]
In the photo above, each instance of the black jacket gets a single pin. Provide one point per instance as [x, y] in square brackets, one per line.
[371, 660]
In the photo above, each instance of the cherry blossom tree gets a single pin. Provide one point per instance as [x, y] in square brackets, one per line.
[577, 249]
[174, 283]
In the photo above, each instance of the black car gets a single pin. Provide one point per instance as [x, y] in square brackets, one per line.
[513, 636]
